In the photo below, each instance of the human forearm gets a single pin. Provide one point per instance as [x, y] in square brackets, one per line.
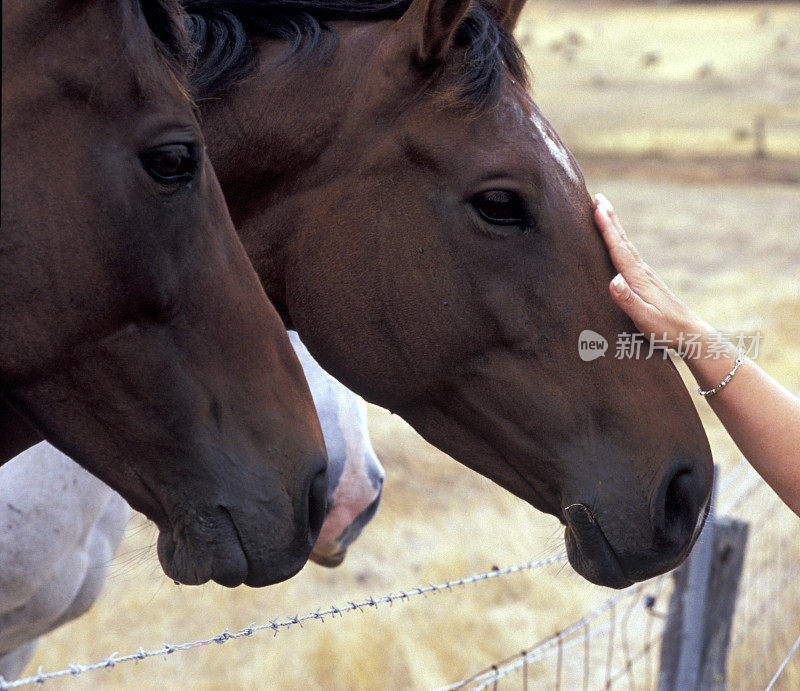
[761, 416]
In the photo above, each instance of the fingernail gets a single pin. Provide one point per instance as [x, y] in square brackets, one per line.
[618, 284]
[602, 200]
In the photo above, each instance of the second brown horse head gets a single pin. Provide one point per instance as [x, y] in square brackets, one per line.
[414, 216]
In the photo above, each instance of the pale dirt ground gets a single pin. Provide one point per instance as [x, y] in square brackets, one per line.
[729, 247]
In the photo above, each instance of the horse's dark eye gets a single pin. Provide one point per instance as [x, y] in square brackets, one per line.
[501, 208]
[174, 163]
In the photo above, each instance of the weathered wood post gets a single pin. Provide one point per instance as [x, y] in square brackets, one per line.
[697, 633]
[760, 137]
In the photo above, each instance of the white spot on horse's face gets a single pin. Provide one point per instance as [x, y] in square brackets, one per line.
[556, 148]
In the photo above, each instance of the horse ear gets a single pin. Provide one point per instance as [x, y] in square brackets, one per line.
[429, 26]
[506, 12]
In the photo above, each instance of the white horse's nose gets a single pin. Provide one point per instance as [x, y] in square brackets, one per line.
[375, 470]
[355, 474]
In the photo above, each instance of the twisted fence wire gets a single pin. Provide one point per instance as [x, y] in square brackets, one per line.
[783, 664]
[277, 624]
[577, 633]
[767, 606]
[740, 487]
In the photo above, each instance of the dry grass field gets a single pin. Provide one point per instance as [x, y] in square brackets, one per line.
[650, 89]
[670, 80]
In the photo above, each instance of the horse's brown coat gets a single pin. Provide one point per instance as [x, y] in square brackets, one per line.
[352, 181]
[133, 332]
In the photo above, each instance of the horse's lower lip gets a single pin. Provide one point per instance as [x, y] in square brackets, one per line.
[589, 551]
[235, 578]
[214, 543]
[204, 550]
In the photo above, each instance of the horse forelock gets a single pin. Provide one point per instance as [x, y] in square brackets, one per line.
[489, 53]
[168, 25]
[222, 29]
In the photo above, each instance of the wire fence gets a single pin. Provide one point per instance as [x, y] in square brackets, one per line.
[591, 666]
[767, 618]
[278, 624]
[618, 641]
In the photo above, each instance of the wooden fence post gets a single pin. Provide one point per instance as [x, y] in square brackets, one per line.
[697, 632]
[760, 137]
[726, 569]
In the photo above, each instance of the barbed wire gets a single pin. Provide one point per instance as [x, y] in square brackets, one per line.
[277, 624]
[554, 644]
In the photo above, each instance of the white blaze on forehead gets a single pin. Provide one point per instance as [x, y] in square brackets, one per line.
[556, 148]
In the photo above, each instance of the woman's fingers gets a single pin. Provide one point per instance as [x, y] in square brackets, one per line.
[622, 252]
[631, 303]
[610, 223]
[637, 289]
[639, 303]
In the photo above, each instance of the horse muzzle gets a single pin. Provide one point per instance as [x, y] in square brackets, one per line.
[331, 552]
[231, 543]
[589, 551]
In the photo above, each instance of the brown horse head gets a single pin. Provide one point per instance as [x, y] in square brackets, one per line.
[415, 217]
[134, 334]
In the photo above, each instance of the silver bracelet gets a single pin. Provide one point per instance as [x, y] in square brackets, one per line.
[724, 382]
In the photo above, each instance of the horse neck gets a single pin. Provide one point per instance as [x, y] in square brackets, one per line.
[270, 129]
[271, 136]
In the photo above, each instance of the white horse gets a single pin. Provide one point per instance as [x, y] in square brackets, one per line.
[354, 471]
[59, 529]
[60, 526]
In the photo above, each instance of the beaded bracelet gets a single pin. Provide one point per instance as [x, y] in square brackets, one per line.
[724, 382]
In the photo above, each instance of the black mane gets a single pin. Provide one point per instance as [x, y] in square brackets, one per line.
[221, 31]
[167, 22]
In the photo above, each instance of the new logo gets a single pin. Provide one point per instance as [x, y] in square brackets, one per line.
[591, 345]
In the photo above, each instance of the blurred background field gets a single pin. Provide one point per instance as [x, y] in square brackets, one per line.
[660, 104]
[667, 79]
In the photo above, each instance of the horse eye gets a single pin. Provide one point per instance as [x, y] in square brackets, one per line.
[501, 208]
[174, 163]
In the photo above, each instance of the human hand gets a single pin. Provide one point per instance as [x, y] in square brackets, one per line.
[762, 417]
[638, 290]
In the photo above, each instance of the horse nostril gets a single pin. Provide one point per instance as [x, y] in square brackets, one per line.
[317, 504]
[676, 509]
